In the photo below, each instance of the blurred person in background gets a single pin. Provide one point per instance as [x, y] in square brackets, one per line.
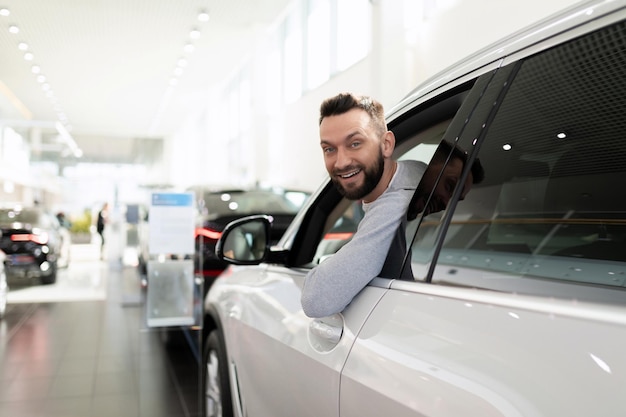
[100, 226]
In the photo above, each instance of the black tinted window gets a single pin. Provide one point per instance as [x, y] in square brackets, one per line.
[551, 207]
[252, 202]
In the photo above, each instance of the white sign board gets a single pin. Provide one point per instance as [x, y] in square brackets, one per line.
[170, 293]
[172, 222]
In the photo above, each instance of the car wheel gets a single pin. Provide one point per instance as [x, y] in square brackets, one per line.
[52, 278]
[217, 399]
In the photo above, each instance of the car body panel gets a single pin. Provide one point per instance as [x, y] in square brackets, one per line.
[481, 353]
[284, 339]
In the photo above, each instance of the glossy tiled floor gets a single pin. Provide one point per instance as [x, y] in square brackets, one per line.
[81, 348]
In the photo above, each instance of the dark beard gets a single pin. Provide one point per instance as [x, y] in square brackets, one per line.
[372, 174]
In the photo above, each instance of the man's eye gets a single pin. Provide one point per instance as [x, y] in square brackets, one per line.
[355, 144]
[328, 150]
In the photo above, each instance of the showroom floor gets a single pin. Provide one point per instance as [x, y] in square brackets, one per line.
[81, 348]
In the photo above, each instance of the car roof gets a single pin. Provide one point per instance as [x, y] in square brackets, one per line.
[492, 56]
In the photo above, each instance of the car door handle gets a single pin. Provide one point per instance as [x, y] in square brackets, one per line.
[326, 331]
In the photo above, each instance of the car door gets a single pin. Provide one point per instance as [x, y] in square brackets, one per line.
[282, 362]
[519, 305]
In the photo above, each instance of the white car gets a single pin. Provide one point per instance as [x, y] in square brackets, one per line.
[518, 302]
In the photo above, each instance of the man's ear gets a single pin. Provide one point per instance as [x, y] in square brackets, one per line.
[389, 144]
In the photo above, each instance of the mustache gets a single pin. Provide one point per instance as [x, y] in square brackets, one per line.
[351, 168]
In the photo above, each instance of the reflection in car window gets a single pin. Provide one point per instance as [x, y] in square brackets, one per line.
[551, 207]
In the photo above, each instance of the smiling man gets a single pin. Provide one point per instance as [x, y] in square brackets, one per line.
[358, 151]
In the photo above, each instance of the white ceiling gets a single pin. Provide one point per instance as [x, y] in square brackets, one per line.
[109, 64]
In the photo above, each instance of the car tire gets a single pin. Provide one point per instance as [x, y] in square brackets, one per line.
[50, 279]
[217, 398]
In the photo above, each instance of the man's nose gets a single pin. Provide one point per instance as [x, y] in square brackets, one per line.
[343, 158]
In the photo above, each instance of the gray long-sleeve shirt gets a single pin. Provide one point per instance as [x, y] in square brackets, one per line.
[329, 287]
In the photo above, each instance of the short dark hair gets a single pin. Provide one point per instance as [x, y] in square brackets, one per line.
[344, 102]
[445, 148]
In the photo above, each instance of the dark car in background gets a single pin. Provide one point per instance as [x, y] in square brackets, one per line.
[35, 244]
[217, 208]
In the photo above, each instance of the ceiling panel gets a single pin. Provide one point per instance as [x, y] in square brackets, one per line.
[109, 63]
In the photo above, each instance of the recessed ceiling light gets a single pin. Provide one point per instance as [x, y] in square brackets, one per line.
[36, 69]
[189, 48]
[203, 16]
[14, 29]
[182, 62]
[194, 34]
[507, 146]
[5, 12]
[29, 56]
[22, 46]
[41, 78]
[561, 135]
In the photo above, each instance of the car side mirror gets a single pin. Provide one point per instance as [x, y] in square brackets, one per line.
[245, 241]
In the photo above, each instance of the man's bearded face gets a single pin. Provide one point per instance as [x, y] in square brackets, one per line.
[372, 175]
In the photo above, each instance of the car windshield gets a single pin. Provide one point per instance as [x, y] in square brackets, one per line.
[252, 202]
[8, 216]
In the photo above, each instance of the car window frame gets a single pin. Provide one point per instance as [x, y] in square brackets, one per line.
[326, 205]
[559, 289]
